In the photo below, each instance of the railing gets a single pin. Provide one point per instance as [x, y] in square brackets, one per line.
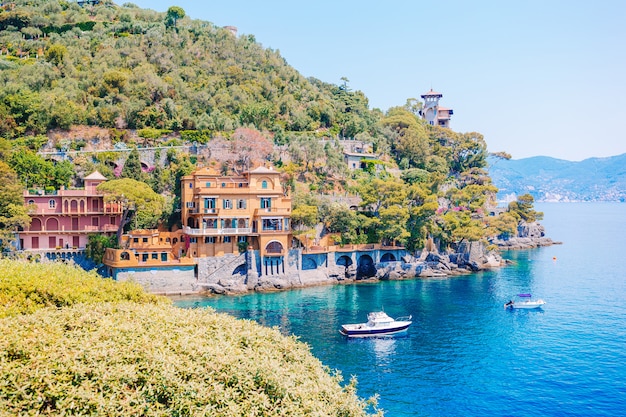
[204, 210]
[272, 210]
[63, 229]
[217, 232]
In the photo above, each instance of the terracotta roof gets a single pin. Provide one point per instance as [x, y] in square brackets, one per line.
[262, 170]
[95, 176]
[432, 93]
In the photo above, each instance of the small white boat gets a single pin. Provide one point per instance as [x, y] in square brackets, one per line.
[524, 301]
[378, 324]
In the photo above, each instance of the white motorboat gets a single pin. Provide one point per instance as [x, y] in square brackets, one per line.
[378, 324]
[524, 301]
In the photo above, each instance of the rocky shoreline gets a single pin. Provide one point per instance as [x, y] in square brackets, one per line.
[465, 258]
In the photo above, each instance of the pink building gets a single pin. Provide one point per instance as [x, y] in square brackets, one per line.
[63, 219]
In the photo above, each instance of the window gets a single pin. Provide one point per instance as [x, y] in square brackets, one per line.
[193, 240]
[266, 202]
[52, 204]
[227, 204]
[223, 185]
[242, 239]
[189, 204]
[208, 184]
[272, 224]
[163, 256]
[241, 204]
[209, 203]
[264, 185]
[190, 185]
[31, 201]
[226, 239]
[155, 256]
[135, 240]
[112, 220]
[144, 257]
[209, 239]
[144, 240]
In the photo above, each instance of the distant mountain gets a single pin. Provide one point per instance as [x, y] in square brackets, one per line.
[550, 179]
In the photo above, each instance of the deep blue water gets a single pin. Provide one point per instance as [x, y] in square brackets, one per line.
[465, 355]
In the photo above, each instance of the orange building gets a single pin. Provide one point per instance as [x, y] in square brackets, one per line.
[229, 214]
[147, 249]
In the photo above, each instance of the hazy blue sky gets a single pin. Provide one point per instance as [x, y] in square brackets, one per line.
[536, 77]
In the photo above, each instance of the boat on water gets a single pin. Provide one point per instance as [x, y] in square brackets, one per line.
[524, 301]
[378, 324]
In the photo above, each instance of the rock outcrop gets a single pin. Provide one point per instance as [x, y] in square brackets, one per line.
[529, 235]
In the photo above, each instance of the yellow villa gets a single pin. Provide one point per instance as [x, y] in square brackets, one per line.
[229, 214]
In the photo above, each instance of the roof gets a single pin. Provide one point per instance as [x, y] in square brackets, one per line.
[262, 170]
[432, 93]
[95, 176]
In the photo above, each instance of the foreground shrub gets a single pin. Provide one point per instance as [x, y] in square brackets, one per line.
[26, 287]
[128, 359]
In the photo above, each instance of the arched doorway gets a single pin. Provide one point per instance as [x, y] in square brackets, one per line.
[365, 268]
[388, 257]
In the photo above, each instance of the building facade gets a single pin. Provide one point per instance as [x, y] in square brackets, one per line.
[232, 214]
[432, 112]
[63, 219]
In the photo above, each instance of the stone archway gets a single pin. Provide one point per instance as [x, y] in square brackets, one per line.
[308, 263]
[344, 261]
[241, 270]
[365, 267]
[388, 257]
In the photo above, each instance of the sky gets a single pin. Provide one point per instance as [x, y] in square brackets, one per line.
[535, 77]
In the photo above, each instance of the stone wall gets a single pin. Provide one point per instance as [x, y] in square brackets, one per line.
[162, 281]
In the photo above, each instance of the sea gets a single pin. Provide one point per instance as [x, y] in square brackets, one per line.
[465, 355]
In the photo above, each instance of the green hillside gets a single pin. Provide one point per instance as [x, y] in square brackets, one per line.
[104, 76]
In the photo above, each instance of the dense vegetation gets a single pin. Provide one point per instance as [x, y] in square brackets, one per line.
[97, 77]
[75, 344]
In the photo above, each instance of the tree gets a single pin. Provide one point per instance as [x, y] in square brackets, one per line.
[393, 221]
[138, 202]
[304, 216]
[250, 147]
[56, 53]
[13, 212]
[132, 166]
[97, 245]
[522, 209]
[174, 13]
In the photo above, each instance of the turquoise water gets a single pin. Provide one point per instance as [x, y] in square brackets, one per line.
[465, 355]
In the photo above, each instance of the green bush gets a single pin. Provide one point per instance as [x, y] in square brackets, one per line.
[26, 287]
[127, 359]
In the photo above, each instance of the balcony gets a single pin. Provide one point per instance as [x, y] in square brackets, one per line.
[272, 211]
[218, 232]
[204, 211]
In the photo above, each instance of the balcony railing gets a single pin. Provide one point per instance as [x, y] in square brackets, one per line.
[218, 232]
[70, 229]
[204, 211]
[272, 210]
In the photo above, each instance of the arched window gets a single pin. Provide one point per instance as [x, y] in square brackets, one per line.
[52, 204]
[264, 185]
